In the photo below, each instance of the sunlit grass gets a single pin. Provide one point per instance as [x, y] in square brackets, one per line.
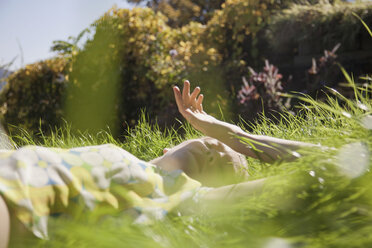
[315, 201]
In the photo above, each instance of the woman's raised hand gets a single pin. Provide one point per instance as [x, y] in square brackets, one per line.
[190, 106]
[187, 102]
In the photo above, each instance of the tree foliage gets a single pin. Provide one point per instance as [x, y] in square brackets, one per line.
[33, 96]
[334, 23]
[134, 57]
[139, 56]
[181, 12]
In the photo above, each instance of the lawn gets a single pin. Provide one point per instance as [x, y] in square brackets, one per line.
[323, 199]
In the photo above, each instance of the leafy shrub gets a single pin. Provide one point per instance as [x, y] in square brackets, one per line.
[236, 32]
[181, 12]
[234, 29]
[69, 47]
[33, 96]
[138, 56]
[129, 64]
[331, 23]
[134, 57]
[266, 84]
[261, 92]
[322, 72]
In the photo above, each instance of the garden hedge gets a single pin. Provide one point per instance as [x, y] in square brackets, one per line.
[134, 57]
[321, 25]
[33, 96]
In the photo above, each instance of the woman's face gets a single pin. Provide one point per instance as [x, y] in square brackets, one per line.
[206, 160]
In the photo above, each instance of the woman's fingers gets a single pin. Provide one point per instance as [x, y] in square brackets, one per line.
[186, 91]
[178, 97]
[185, 101]
[194, 94]
[199, 102]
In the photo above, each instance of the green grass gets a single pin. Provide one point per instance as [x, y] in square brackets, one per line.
[323, 199]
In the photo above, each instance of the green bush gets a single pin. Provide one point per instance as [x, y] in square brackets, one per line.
[134, 58]
[330, 24]
[238, 32]
[128, 63]
[33, 96]
[181, 12]
[235, 33]
[138, 56]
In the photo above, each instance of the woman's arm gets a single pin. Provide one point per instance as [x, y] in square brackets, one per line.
[265, 148]
[234, 192]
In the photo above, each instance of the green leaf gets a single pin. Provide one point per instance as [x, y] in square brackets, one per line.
[364, 24]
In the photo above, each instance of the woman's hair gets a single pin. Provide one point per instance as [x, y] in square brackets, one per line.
[207, 160]
[227, 165]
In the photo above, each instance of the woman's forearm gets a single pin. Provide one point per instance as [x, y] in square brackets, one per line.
[235, 192]
[265, 148]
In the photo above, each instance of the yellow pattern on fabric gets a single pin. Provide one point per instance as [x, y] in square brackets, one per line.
[37, 182]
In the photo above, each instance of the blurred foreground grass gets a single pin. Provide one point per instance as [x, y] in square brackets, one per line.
[323, 199]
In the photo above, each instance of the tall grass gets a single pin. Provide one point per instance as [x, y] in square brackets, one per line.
[323, 199]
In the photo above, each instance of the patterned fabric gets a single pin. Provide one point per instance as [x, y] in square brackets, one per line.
[39, 182]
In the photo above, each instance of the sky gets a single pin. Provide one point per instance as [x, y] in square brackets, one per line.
[28, 27]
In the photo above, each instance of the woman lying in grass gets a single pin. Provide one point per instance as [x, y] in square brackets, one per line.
[38, 182]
